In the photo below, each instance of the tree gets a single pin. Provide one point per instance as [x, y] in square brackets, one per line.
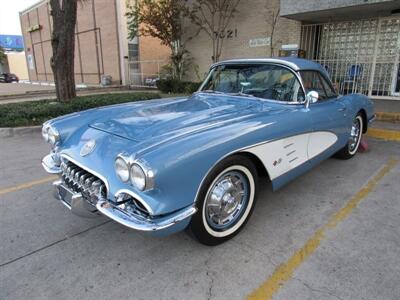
[273, 21]
[64, 14]
[162, 19]
[3, 55]
[213, 17]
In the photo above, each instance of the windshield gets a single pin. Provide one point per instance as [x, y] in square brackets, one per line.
[265, 81]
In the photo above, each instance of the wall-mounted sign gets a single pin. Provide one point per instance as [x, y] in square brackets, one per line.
[260, 42]
[34, 28]
[12, 42]
[290, 47]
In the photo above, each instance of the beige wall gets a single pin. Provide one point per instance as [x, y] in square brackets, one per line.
[17, 64]
[101, 45]
[96, 43]
[150, 49]
[251, 22]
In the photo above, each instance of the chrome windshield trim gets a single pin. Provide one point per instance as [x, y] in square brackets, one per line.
[274, 62]
[67, 157]
[140, 223]
[286, 63]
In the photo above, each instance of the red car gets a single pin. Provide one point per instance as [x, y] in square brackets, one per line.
[8, 78]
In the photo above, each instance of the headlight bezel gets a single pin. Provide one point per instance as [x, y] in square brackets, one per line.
[122, 162]
[50, 134]
[143, 169]
[137, 176]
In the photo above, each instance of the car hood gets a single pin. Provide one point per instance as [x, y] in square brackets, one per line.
[174, 117]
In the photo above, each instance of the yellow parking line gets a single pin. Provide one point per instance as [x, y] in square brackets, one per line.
[26, 185]
[285, 271]
[385, 134]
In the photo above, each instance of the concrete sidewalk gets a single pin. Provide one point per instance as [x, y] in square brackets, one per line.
[390, 106]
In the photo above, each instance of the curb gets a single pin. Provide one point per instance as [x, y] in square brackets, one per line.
[384, 134]
[388, 117]
[19, 131]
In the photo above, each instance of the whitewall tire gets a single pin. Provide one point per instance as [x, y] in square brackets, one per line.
[354, 141]
[226, 201]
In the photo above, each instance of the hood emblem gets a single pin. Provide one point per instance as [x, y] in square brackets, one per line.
[88, 148]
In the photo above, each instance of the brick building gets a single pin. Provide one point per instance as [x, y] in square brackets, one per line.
[101, 45]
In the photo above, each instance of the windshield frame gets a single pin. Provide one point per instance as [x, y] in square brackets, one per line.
[295, 73]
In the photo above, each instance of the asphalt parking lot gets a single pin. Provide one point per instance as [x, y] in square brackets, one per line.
[331, 234]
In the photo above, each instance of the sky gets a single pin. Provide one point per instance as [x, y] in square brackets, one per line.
[9, 15]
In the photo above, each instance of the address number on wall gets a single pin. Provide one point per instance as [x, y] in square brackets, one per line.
[227, 34]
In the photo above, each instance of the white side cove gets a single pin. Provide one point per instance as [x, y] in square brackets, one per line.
[281, 156]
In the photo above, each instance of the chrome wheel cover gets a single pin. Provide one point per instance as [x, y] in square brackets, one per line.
[226, 200]
[355, 135]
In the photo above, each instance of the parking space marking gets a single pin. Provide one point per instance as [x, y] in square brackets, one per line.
[285, 271]
[26, 185]
[385, 134]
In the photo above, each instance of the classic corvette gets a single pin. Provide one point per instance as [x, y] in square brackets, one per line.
[195, 162]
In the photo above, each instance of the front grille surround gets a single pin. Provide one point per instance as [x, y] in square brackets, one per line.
[81, 181]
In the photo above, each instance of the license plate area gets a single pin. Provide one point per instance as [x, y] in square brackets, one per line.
[65, 195]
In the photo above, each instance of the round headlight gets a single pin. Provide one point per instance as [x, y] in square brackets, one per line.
[53, 135]
[138, 177]
[122, 169]
[45, 133]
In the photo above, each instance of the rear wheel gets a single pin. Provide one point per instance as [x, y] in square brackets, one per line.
[226, 201]
[353, 143]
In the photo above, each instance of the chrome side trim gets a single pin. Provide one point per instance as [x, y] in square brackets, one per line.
[49, 165]
[136, 197]
[238, 151]
[67, 157]
[139, 223]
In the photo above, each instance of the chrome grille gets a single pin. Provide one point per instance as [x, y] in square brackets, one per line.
[81, 181]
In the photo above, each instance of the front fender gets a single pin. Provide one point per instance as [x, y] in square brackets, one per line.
[356, 103]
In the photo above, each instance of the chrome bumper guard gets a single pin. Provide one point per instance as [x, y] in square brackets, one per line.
[74, 201]
[81, 207]
[50, 165]
[140, 223]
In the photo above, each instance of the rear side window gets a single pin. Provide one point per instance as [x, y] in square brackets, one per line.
[313, 81]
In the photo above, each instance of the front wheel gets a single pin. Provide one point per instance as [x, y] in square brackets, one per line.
[226, 201]
[353, 143]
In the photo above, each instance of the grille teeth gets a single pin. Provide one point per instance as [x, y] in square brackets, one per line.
[81, 181]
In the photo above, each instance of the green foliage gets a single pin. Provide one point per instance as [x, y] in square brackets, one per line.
[37, 112]
[3, 56]
[162, 19]
[132, 15]
[176, 86]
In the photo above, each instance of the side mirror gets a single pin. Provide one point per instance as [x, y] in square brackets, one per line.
[311, 97]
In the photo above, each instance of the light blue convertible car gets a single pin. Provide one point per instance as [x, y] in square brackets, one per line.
[195, 162]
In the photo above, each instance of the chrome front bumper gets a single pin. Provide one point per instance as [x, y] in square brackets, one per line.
[81, 207]
[140, 223]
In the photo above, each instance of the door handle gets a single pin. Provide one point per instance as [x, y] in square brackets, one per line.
[342, 109]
